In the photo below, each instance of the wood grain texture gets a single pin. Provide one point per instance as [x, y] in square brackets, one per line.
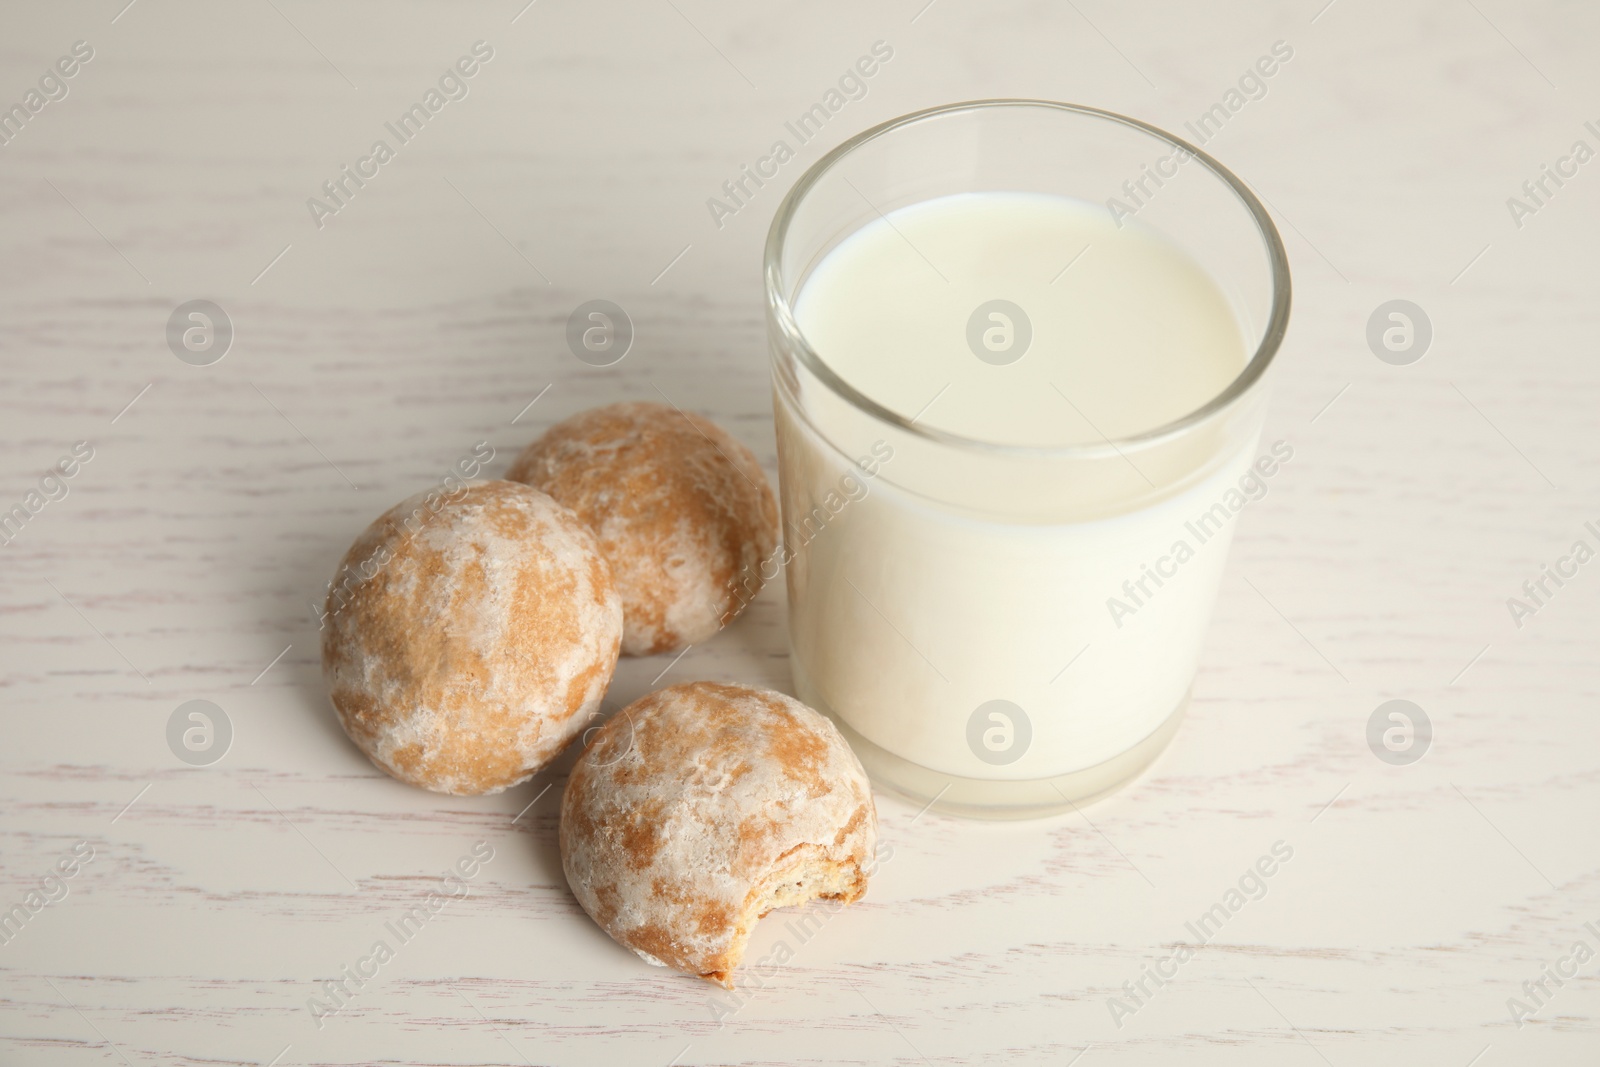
[373, 352]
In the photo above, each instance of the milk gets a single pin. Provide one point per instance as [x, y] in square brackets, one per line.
[971, 629]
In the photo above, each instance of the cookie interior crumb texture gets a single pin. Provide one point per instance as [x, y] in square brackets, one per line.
[681, 509]
[470, 636]
[700, 808]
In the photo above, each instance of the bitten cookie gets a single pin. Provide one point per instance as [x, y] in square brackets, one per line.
[682, 511]
[469, 635]
[701, 807]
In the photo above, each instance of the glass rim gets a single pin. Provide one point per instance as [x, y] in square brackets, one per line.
[781, 309]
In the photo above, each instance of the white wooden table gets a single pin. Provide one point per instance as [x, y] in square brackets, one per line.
[428, 312]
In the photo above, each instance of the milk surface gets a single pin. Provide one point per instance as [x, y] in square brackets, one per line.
[964, 640]
[1127, 332]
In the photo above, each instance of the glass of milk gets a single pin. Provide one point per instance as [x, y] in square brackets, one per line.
[1018, 351]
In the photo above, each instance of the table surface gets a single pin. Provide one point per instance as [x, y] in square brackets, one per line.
[1423, 903]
